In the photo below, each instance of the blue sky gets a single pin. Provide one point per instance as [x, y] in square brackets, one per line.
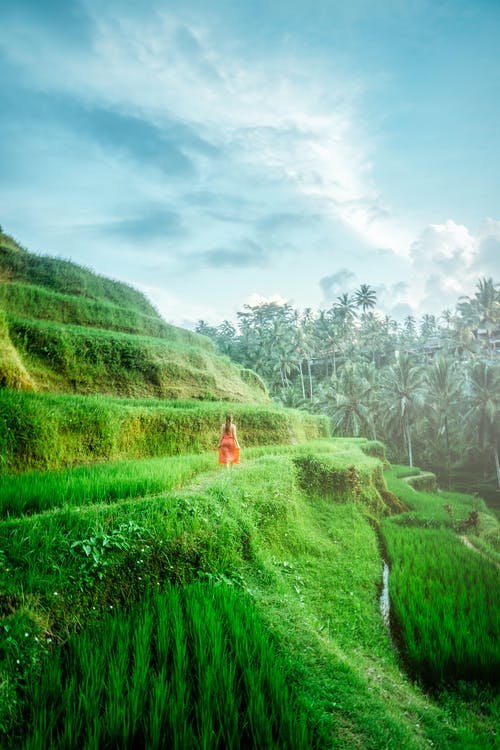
[215, 154]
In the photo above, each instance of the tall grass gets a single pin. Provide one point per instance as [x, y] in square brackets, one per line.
[37, 491]
[312, 568]
[93, 360]
[47, 431]
[66, 277]
[189, 668]
[430, 506]
[445, 603]
[22, 301]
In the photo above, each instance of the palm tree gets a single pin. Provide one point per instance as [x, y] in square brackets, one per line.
[290, 398]
[428, 326]
[365, 297]
[351, 408]
[203, 328]
[226, 338]
[402, 392]
[345, 309]
[441, 399]
[482, 311]
[327, 335]
[409, 330]
[483, 412]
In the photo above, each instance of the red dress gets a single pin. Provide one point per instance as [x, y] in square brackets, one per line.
[229, 453]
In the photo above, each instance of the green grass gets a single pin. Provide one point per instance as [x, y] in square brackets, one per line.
[17, 264]
[311, 568]
[445, 603]
[22, 301]
[83, 359]
[187, 668]
[37, 491]
[430, 505]
[48, 431]
[65, 329]
[445, 595]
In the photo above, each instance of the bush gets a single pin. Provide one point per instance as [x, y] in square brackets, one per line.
[349, 475]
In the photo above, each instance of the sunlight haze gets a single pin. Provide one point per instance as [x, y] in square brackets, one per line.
[217, 154]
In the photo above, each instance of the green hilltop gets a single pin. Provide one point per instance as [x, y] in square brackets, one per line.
[89, 371]
[65, 329]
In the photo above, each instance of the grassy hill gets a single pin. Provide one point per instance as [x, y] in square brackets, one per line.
[65, 329]
[89, 372]
[163, 602]
[151, 599]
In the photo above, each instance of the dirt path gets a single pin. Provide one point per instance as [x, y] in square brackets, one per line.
[469, 544]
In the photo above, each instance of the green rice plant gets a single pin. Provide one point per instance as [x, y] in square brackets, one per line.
[66, 277]
[446, 605]
[191, 667]
[47, 431]
[13, 373]
[38, 491]
[313, 571]
[440, 507]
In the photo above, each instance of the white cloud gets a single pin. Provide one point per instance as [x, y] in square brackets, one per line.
[177, 310]
[281, 121]
[447, 260]
[256, 300]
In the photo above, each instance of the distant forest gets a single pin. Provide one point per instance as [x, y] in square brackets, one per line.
[429, 388]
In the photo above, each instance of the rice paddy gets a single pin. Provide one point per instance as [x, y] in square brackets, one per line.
[445, 604]
[190, 667]
[166, 603]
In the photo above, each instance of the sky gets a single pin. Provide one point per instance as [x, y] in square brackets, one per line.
[222, 153]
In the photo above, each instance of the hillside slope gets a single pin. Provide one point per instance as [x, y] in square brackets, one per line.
[65, 329]
[84, 550]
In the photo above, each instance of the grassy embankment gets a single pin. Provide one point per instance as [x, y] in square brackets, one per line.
[65, 329]
[161, 598]
[280, 577]
[47, 431]
[445, 584]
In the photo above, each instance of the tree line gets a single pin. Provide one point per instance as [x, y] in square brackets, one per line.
[429, 388]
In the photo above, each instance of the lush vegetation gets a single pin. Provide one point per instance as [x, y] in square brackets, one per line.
[148, 597]
[191, 667]
[65, 329]
[445, 595]
[22, 300]
[305, 564]
[448, 621]
[42, 431]
[36, 491]
[65, 277]
[430, 389]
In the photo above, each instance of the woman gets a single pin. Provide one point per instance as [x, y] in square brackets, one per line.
[229, 448]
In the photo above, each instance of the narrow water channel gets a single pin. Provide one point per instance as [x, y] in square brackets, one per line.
[385, 605]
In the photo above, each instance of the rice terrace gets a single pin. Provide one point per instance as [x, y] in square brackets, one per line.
[150, 598]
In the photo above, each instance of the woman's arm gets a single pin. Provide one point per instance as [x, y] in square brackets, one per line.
[233, 430]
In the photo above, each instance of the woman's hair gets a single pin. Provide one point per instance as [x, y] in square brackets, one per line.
[229, 422]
